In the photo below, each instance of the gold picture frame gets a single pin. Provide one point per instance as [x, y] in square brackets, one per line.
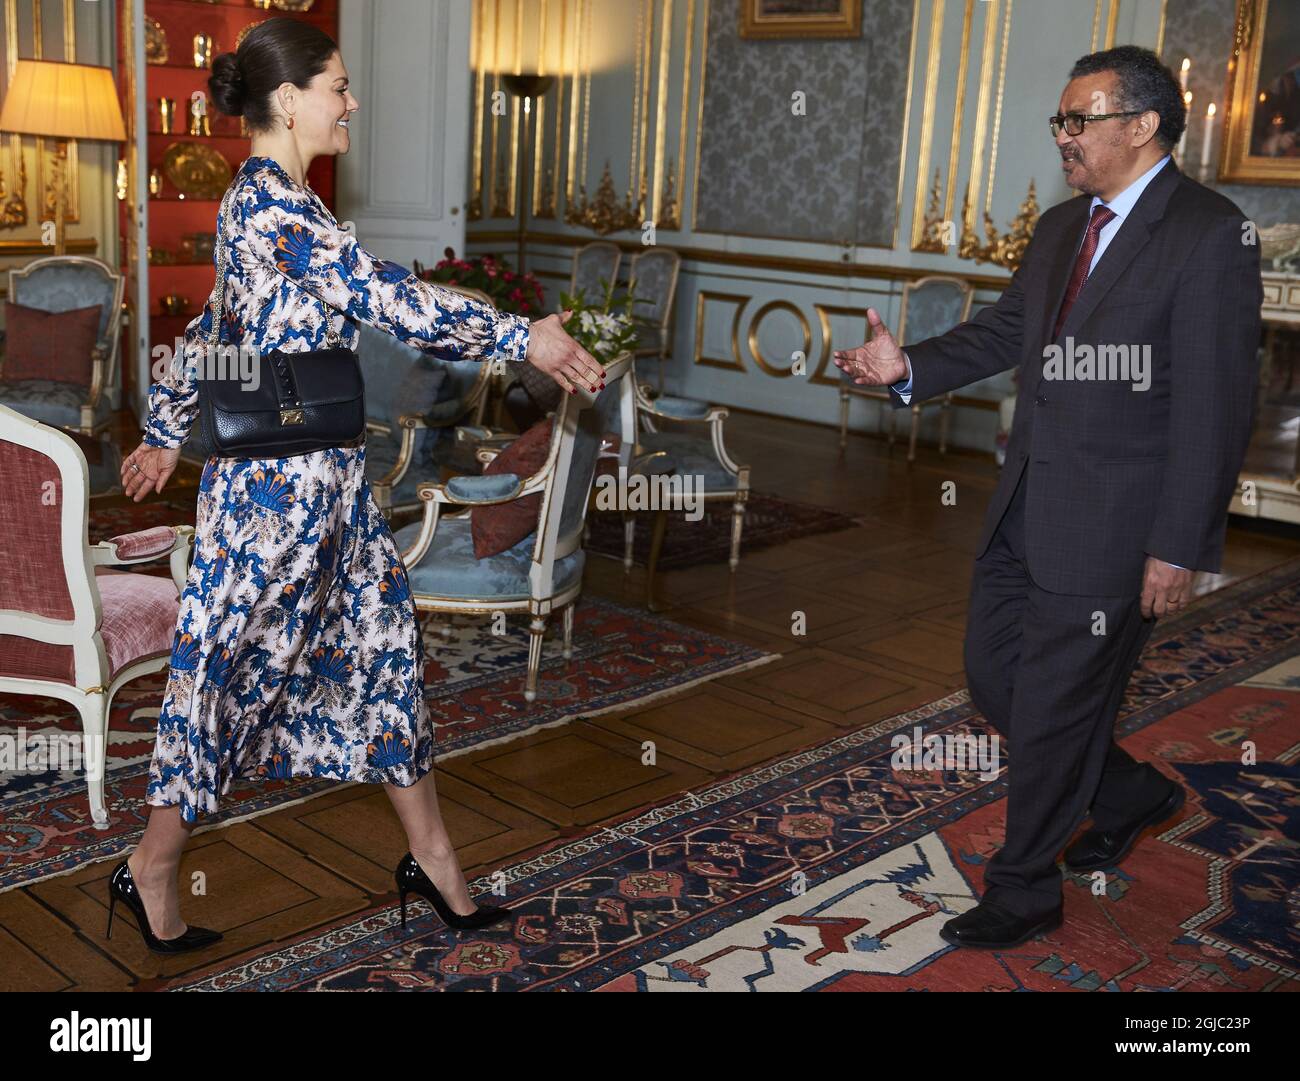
[1261, 135]
[800, 18]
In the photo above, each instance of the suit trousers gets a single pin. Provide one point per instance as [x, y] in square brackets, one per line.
[1048, 671]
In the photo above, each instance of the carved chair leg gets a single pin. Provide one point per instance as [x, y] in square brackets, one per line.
[94, 712]
[536, 629]
[568, 629]
[737, 524]
[629, 535]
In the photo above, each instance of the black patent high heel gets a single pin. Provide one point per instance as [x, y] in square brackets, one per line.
[412, 879]
[121, 887]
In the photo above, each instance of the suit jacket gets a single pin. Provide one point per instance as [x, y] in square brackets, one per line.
[1117, 473]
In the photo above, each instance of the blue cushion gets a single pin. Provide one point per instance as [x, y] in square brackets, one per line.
[50, 401]
[486, 488]
[686, 408]
[693, 456]
[449, 568]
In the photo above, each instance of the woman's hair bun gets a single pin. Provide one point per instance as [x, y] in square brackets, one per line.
[227, 85]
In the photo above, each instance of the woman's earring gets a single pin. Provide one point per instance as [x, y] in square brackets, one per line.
[291, 123]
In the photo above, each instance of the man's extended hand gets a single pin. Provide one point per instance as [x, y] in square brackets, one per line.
[878, 362]
[551, 350]
[1165, 588]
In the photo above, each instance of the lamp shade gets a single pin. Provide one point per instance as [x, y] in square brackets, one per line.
[63, 101]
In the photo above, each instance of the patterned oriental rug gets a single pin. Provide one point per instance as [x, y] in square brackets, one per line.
[826, 870]
[769, 520]
[622, 657]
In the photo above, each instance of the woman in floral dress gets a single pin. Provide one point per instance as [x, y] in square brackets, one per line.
[297, 650]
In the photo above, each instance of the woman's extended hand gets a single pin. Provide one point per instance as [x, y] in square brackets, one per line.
[146, 468]
[551, 350]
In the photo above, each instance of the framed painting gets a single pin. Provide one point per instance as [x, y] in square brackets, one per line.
[800, 18]
[1261, 136]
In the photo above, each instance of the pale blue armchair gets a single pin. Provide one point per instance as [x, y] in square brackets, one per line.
[931, 306]
[543, 572]
[690, 433]
[414, 401]
[60, 283]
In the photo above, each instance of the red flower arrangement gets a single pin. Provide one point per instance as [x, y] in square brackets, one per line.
[509, 290]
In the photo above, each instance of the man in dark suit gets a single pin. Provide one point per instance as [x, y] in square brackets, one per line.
[1134, 320]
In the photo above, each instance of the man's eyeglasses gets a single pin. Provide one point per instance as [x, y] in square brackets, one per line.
[1073, 122]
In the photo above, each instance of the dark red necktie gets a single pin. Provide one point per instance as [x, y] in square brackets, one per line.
[1101, 215]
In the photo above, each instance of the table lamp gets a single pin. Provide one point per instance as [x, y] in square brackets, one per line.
[61, 100]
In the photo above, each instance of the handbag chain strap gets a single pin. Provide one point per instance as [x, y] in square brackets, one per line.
[332, 337]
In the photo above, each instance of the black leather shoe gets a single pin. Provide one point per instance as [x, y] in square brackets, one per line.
[989, 926]
[1097, 849]
[121, 887]
[411, 878]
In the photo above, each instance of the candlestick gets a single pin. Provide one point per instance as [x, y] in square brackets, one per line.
[1209, 137]
[1182, 74]
[1182, 143]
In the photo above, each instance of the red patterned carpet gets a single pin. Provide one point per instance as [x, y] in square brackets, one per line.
[828, 870]
[622, 657]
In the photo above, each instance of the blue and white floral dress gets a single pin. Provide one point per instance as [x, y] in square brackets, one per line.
[297, 650]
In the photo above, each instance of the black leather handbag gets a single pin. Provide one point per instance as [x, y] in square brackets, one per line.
[303, 402]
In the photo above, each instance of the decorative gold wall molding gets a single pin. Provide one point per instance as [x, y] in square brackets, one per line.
[562, 118]
[1007, 249]
[959, 111]
[734, 363]
[752, 335]
[824, 313]
[927, 124]
[605, 214]
[933, 231]
[82, 245]
[987, 61]
[997, 112]
[782, 264]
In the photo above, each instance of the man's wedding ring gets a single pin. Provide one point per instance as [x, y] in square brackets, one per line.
[135, 467]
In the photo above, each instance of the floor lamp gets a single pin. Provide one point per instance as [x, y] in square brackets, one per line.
[61, 100]
[527, 87]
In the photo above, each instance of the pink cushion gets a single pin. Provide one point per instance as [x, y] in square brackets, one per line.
[25, 658]
[144, 542]
[140, 612]
[32, 578]
[50, 345]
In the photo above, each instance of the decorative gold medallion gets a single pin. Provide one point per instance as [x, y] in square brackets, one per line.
[293, 5]
[196, 170]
